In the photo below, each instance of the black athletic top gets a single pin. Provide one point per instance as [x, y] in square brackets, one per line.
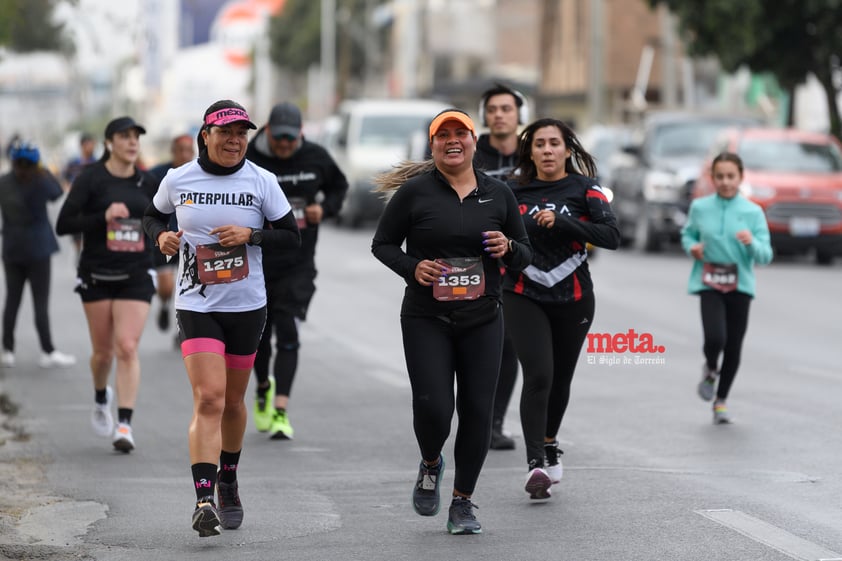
[83, 212]
[489, 160]
[426, 213]
[559, 269]
[310, 175]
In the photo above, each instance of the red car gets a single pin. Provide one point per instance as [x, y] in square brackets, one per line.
[796, 176]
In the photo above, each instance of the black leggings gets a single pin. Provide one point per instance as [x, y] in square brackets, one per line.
[507, 379]
[38, 275]
[434, 356]
[285, 327]
[548, 339]
[724, 322]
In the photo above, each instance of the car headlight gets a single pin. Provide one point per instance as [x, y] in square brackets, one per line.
[662, 187]
[757, 192]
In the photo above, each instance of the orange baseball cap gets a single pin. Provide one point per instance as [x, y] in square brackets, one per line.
[451, 115]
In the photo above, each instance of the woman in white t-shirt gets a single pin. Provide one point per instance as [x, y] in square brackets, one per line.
[221, 201]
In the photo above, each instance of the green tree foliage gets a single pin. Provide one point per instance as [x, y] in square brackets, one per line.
[26, 26]
[788, 38]
[295, 34]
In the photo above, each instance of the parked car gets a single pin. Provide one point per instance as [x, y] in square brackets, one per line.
[370, 137]
[653, 182]
[796, 176]
[605, 143]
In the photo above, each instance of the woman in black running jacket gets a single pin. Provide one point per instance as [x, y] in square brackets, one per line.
[458, 224]
[550, 304]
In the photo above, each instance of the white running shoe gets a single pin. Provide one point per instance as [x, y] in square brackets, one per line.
[538, 484]
[56, 359]
[101, 419]
[7, 359]
[552, 455]
[555, 472]
[123, 440]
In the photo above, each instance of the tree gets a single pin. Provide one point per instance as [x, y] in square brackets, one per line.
[790, 40]
[295, 37]
[26, 26]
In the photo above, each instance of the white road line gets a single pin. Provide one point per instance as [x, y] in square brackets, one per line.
[769, 535]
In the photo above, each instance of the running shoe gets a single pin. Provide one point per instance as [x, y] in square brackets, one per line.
[499, 439]
[230, 509]
[164, 318]
[56, 359]
[281, 429]
[425, 494]
[552, 454]
[708, 384]
[206, 518]
[123, 439]
[101, 419]
[461, 519]
[720, 414]
[7, 359]
[538, 483]
[263, 409]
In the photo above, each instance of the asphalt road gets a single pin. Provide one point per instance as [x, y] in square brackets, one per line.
[647, 475]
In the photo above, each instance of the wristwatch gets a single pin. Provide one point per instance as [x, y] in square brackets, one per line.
[256, 237]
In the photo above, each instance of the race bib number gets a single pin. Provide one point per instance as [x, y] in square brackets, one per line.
[219, 265]
[124, 234]
[465, 279]
[298, 204]
[719, 276]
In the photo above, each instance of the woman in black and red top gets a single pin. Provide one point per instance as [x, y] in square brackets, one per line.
[549, 305]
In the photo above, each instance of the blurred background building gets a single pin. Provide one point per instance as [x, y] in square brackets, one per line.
[164, 61]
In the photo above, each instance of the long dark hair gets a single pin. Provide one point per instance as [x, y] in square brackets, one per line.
[579, 162]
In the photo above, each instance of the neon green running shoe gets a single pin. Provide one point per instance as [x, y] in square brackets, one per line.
[281, 428]
[264, 409]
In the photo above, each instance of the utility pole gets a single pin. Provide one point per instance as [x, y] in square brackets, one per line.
[596, 81]
[549, 24]
[328, 55]
[669, 86]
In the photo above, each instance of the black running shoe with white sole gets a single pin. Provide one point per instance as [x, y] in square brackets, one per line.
[206, 518]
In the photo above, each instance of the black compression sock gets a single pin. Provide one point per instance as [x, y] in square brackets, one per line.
[228, 462]
[124, 415]
[204, 479]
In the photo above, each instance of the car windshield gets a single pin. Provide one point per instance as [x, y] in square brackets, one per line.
[389, 130]
[789, 156]
[691, 138]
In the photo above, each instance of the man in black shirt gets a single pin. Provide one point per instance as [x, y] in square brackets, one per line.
[502, 110]
[315, 187]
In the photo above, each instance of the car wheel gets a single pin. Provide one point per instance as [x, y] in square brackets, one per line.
[645, 237]
[824, 257]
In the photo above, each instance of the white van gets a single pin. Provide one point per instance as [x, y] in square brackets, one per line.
[369, 137]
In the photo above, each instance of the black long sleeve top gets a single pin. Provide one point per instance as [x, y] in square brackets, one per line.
[426, 213]
[83, 212]
[559, 270]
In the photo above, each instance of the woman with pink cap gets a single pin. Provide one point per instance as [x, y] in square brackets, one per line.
[221, 201]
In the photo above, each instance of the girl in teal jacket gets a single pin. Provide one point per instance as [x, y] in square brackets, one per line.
[726, 235]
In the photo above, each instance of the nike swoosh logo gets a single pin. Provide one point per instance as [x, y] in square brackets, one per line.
[481, 201]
